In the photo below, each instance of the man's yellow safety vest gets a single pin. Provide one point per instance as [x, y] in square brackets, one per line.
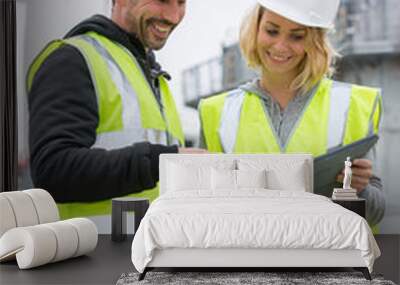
[127, 106]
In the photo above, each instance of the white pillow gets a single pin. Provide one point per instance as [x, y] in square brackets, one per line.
[291, 178]
[183, 177]
[282, 174]
[251, 178]
[223, 179]
[227, 179]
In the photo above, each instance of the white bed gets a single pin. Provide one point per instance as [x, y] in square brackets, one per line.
[247, 211]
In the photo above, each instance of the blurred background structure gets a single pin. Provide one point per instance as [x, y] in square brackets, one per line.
[203, 62]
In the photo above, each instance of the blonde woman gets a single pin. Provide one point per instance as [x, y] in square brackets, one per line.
[294, 106]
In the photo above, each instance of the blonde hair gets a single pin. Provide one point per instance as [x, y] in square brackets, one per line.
[317, 63]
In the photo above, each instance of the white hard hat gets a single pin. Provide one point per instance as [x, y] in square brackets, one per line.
[311, 13]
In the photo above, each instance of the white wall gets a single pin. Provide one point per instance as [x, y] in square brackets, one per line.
[38, 22]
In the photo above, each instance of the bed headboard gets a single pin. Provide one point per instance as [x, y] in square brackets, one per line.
[235, 159]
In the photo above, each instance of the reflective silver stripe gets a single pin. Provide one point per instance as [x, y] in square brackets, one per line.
[131, 116]
[169, 139]
[127, 137]
[230, 119]
[339, 108]
[371, 119]
[155, 136]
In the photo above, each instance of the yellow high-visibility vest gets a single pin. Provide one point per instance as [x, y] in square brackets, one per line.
[337, 114]
[128, 110]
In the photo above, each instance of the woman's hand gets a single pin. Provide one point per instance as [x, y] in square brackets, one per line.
[362, 172]
[192, 150]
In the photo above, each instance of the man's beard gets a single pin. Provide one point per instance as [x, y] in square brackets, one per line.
[146, 34]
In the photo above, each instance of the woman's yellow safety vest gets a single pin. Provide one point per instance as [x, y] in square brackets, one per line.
[128, 110]
[337, 114]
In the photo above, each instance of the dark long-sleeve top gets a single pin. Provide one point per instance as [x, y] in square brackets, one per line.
[64, 116]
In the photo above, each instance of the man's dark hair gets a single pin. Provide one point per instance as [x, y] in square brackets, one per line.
[113, 2]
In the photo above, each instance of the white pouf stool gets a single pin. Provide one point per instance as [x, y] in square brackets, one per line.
[31, 233]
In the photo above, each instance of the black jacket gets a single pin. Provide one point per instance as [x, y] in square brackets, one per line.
[62, 127]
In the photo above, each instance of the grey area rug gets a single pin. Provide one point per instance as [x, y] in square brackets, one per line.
[243, 278]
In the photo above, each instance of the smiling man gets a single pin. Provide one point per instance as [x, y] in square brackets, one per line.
[151, 21]
[101, 112]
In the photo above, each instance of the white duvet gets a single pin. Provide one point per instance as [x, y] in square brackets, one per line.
[254, 218]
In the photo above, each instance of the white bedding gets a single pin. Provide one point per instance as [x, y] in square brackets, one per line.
[253, 218]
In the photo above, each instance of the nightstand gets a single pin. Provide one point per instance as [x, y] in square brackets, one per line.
[355, 205]
[120, 206]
